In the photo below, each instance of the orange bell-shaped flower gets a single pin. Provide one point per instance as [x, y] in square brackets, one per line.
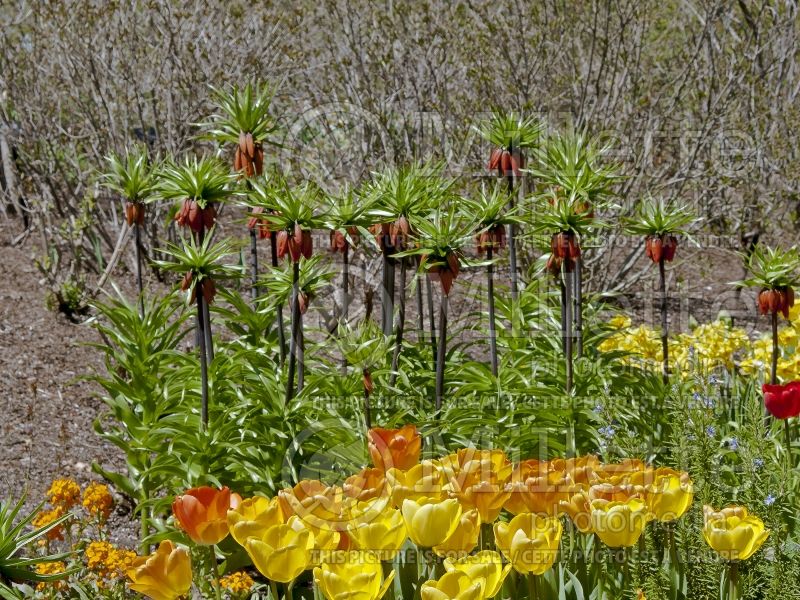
[202, 513]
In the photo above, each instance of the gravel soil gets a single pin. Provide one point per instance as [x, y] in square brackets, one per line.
[46, 411]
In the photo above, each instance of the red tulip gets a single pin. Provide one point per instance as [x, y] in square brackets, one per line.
[782, 401]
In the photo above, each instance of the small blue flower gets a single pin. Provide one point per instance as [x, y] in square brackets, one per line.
[711, 431]
[713, 380]
[606, 432]
[597, 409]
[769, 500]
[708, 402]
[691, 351]
[758, 463]
[733, 444]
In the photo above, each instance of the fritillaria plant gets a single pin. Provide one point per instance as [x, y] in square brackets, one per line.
[661, 223]
[493, 215]
[295, 213]
[242, 118]
[511, 137]
[566, 220]
[439, 243]
[202, 267]
[133, 177]
[775, 273]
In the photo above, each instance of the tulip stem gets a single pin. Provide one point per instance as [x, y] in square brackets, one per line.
[490, 293]
[273, 586]
[773, 378]
[733, 577]
[213, 573]
[787, 434]
[533, 587]
[273, 240]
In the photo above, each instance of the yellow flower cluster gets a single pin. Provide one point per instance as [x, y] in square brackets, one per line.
[45, 517]
[237, 583]
[64, 492]
[51, 568]
[106, 560]
[640, 345]
[97, 500]
[709, 346]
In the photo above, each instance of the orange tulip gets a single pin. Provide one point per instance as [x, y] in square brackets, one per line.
[202, 513]
[397, 448]
[534, 491]
[582, 470]
[369, 483]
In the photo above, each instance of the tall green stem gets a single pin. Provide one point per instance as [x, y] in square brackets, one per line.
[253, 264]
[201, 335]
[442, 351]
[578, 306]
[492, 326]
[401, 323]
[664, 331]
[273, 243]
[512, 243]
[567, 296]
[295, 330]
[139, 284]
[273, 587]
[431, 316]
[773, 378]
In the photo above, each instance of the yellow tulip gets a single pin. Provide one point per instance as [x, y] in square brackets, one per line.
[326, 540]
[430, 523]
[282, 553]
[733, 533]
[352, 576]
[253, 517]
[670, 494]
[486, 565]
[378, 528]
[619, 524]
[164, 575]
[424, 480]
[455, 585]
[464, 538]
[530, 542]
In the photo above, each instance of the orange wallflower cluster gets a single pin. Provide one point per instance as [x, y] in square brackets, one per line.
[106, 560]
[97, 500]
